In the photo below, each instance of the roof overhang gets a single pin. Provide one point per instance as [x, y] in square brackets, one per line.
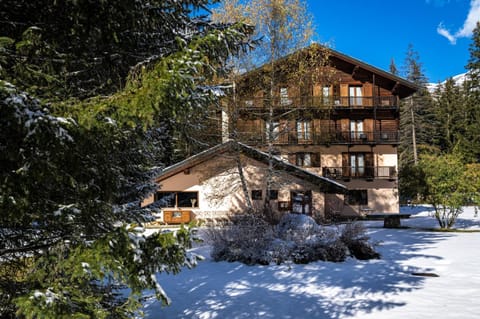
[324, 184]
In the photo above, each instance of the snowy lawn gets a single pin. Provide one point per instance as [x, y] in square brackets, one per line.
[382, 288]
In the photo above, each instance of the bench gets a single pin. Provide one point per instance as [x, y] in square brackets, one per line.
[390, 220]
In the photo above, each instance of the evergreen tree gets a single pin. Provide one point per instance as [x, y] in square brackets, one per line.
[393, 67]
[417, 120]
[449, 110]
[73, 174]
[418, 130]
[59, 49]
[470, 144]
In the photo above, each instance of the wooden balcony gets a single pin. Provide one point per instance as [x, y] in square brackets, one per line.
[321, 103]
[361, 172]
[324, 138]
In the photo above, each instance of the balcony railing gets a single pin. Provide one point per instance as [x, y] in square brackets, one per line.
[360, 172]
[329, 137]
[321, 102]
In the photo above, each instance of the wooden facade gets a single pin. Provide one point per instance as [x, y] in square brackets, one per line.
[342, 123]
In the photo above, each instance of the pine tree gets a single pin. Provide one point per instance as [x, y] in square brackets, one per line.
[393, 67]
[449, 110]
[59, 49]
[73, 174]
[417, 121]
[418, 127]
[470, 144]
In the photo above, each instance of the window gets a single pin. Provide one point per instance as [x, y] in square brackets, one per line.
[358, 164]
[326, 95]
[304, 130]
[356, 130]
[355, 95]
[272, 128]
[303, 159]
[273, 194]
[357, 197]
[256, 194]
[307, 159]
[249, 103]
[177, 199]
[284, 100]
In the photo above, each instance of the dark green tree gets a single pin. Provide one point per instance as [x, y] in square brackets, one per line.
[417, 120]
[470, 143]
[85, 48]
[73, 174]
[450, 111]
[417, 124]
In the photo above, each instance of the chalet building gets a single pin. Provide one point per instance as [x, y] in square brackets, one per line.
[329, 114]
[207, 186]
[328, 129]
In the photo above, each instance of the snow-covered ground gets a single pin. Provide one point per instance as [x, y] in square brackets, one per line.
[382, 288]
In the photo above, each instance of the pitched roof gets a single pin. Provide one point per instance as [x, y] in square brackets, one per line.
[326, 185]
[362, 70]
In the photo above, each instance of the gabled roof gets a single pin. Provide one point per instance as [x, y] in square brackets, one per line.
[326, 185]
[359, 70]
[397, 84]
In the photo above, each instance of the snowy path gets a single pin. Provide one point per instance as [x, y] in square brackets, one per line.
[355, 289]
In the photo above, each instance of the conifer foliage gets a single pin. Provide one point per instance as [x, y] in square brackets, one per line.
[73, 171]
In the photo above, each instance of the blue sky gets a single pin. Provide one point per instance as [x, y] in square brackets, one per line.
[375, 31]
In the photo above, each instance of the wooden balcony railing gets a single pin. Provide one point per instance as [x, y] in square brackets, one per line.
[360, 172]
[330, 137]
[319, 102]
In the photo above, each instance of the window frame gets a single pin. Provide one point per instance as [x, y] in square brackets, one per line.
[194, 204]
[273, 194]
[304, 130]
[313, 159]
[256, 194]
[356, 197]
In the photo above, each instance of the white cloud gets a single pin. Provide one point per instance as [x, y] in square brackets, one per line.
[472, 18]
[442, 31]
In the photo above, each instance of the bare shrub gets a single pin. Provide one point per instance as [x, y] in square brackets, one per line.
[297, 238]
[354, 236]
[246, 240]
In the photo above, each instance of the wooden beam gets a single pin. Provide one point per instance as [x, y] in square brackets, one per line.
[354, 71]
[395, 87]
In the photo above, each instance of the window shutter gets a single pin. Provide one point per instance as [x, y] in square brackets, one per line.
[315, 159]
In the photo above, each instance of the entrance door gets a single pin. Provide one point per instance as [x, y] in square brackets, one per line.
[301, 202]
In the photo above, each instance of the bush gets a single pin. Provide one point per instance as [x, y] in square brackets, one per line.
[297, 238]
[355, 237]
[246, 240]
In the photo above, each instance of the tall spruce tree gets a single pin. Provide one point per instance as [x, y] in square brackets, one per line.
[417, 127]
[72, 175]
[417, 120]
[450, 111]
[470, 144]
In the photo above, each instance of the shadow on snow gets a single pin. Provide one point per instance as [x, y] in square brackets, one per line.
[317, 290]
